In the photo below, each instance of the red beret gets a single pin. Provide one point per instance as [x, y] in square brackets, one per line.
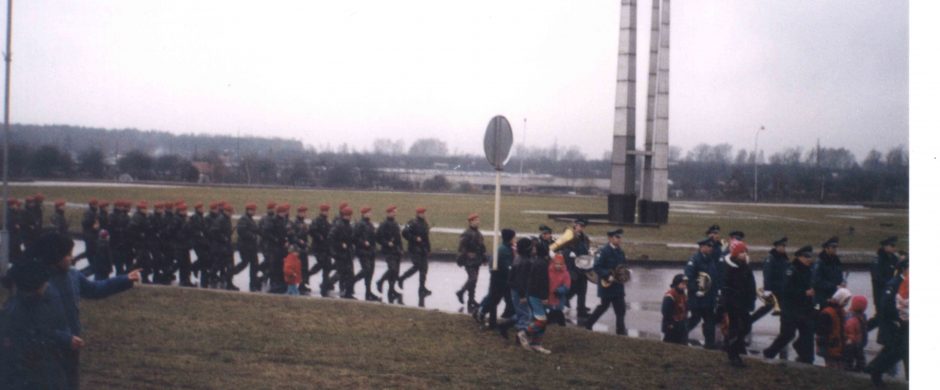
[104, 203]
[251, 206]
[159, 205]
[59, 202]
[197, 206]
[39, 197]
[181, 207]
[473, 216]
[420, 210]
[365, 209]
[271, 205]
[282, 208]
[343, 205]
[229, 207]
[142, 205]
[391, 208]
[93, 202]
[302, 208]
[324, 207]
[13, 201]
[346, 211]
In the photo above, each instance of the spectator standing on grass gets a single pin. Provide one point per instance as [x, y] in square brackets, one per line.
[69, 285]
[608, 259]
[292, 271]
[827, 272]
[34, 335]
[499, 284]
[856, 334]
[675, 311]
[471, 254]
[537, 293]
[559, 283]
[518, 283]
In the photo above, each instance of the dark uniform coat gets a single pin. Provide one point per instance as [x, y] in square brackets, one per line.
[59, 223]
[471, 249]
[248, 232]
[827, 276]
[702, 263]
[365, 238]
[33, 340]
[883, 269]
[608, 258]
[775, 272]
[388, 236]
[416, 233]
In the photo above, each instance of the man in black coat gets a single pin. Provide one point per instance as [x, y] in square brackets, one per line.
[775, 277]
[138, 231]
[798, 312]
[607, 260]
[319, 233]
[883, 269]
[248, 232]
[738, 293]
[579, 246]
[417, 232]
[299, 237]
[278, 232]
[471, 254]
[702, 300]
[220, 245]
[388, 237]
[90, 227]
[181, 234]
[364, 234]
[266, 240]
[827, 272]
[121, 249]
[15, 227]
[893, 332]
[499, 282]
[343, 247]
[58, 221]
[199, 230]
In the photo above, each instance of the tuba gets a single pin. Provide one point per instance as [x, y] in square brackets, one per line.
[621, 275]
[565, 238]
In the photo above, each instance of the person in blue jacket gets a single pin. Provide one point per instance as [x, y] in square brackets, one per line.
[68, 285]
[608, 258]
[827, 272]
[702, 300]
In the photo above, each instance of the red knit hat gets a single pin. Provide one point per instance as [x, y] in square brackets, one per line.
[737, 248]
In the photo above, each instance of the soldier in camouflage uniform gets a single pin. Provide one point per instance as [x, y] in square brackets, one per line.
[471, 255]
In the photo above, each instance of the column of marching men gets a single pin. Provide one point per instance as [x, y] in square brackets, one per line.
[536, 277]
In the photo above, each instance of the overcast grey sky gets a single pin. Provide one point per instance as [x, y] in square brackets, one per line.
[349, 72]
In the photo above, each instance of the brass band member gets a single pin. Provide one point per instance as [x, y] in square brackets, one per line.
[611, 293]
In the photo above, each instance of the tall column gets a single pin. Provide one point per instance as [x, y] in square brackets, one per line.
[621, 202]
[654, 206]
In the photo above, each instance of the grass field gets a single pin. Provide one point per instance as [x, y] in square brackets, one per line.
[688, 220]
[167, 337]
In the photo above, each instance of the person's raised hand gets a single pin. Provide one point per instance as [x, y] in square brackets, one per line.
[134, 275]
[77, 343]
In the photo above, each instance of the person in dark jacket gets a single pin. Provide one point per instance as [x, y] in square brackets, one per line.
[883, 269]
[102, 260]
[299, 237]
[182, 234]
[827, 272]
[138, 230]
[798, 312]
[471, 254]
[607, 260]
[199, 227]
[58, 220]
[343, 247]
[545, 239]
[388, 237]
[121, 246]
[499, 284]
[220, 247]
[894, 329]
[579, 246]
[738, 293]
[675, 310]
[266, 243]
[34, 335]
[90, 227]
[702, 267]
[32, 220]
[364, 235]
[55, 251]
[775, 275]
[279, 236]
[417, 233]
[248, 233]
[537, 298]
[155, 241]
[518, 283]
[319, 233]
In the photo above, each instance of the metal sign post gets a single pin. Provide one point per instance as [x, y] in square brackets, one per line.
[4, 232]
[496, 145]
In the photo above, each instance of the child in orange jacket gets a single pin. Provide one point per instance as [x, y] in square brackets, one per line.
[856, 334]
[292, 273]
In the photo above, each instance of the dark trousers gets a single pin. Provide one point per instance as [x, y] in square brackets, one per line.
[739, 326]
[345, 276]
[497, 291]
[202, 264]
[367, 270]
[708, 318]
[324, 264]
[250, 257]
[556, 317]
[789, 325]
[419, 264]
[185, 263]
[393, 263]
[578, 288]
[72, 369]
[277, 270]
[894, 351]
[470, 286]
[677, 334]
[143, 261]
[101, 263]
[304, 268]
[620, 310]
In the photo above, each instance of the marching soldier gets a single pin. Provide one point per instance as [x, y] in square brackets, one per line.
[59, 223]
[155, 239]
[138, 231]
[122, 249]
[182, 234]
[32, 220]
[220, 246]
[90, 227]
[248, 233]
[607, 260]
[416, 232]
[579, 246]
[797, 309]
[883, 269]
[267, 243]
[827, 272]
[389, 237]
[471, 254]
[298, 237]
[703, 267]
[103, 220]
[364, 234]
[343, 244]
[279, 250]
[775, 277]
[319, 231]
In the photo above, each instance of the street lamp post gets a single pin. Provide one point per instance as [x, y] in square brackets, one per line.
[4, 233]
[756, 135]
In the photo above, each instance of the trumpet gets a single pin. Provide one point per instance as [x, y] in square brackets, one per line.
[565, 238]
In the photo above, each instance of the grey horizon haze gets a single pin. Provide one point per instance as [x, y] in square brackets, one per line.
[351, 72]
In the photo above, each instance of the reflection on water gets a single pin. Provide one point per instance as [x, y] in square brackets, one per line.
[644, 295]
